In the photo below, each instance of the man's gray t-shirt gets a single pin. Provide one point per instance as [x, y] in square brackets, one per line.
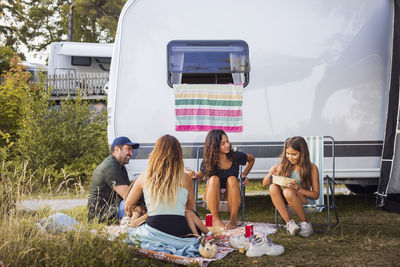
[103, 201]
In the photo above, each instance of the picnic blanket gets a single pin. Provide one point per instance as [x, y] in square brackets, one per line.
[223, 247]
[203, 107]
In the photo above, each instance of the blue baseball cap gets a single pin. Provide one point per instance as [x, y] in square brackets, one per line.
[123, 140]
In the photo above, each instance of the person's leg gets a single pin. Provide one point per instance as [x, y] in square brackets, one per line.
[195, 223]
[275, 192]
[190, 221]
[233, 192]
[212, 196]
[121, 210]
[296, 202]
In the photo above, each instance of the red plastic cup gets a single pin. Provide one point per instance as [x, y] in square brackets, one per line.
[208, 220]
[249, 230]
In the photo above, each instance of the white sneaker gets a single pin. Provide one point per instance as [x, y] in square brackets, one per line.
[292, 228]
[239, 241]
[305, 229]
[263, 246]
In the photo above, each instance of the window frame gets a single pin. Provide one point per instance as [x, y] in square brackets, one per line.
[209, 43]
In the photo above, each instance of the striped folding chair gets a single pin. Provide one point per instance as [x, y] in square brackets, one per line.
[326, 200]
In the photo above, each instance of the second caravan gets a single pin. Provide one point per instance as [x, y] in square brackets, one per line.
[79, 57]
[81, 65]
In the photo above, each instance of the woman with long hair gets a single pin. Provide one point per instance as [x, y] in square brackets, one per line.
[168, 192]
[296, 164]
[221, 166]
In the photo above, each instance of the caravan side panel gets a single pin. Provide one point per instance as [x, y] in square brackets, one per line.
[317, 68]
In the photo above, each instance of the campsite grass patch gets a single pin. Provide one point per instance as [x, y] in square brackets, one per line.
[24, 244]
[366, 235]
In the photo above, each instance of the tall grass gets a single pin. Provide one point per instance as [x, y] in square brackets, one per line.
[24, 244]
[7, 194]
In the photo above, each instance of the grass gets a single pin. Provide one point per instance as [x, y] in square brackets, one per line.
[366, 235]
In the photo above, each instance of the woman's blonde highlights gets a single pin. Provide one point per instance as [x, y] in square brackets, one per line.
[165, 171]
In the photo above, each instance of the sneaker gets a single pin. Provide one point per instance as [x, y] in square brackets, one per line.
[239, 241]
[292, 228]
[262, 245]
[305, 229]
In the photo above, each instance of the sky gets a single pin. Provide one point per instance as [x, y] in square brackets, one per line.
[35, 57]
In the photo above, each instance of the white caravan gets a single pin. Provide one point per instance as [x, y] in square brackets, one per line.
[308, 68]
[77, 57]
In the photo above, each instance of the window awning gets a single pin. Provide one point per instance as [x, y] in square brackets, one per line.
[86, 49]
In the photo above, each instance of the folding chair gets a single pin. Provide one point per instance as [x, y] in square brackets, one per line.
[223, 203]
[316, 149]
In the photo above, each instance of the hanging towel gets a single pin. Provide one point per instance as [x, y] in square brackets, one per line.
[203, 107]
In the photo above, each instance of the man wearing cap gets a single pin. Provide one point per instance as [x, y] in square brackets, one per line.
[110, 182]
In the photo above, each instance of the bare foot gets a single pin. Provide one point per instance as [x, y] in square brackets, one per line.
[218, 224]
[136, 222]
[230, 225]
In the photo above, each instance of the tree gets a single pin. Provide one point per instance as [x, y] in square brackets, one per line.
[106, 13]
[46, 21]
[6, 53]
[10, 12]
[43, 23]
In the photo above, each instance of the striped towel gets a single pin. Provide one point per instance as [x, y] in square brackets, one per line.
[203, 107]
[316, 150]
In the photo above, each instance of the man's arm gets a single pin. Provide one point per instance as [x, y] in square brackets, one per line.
[122, 190]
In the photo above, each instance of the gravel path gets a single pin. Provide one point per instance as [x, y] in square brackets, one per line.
[54, 204]
[62, 204]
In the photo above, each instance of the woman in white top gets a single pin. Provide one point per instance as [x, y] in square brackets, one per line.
[167, 191]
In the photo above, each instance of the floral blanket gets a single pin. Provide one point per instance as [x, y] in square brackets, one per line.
[223, 247]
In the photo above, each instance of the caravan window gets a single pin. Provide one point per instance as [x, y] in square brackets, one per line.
[208, 62]
[104, 62]
[81, 61]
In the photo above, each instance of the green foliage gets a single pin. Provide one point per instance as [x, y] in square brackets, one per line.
[42, 23]
[6, 53]
[85, 28]
[60, 143]
[12, 90]
[60, 139]
[46, 21]
[106, 14]
[10, 11]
